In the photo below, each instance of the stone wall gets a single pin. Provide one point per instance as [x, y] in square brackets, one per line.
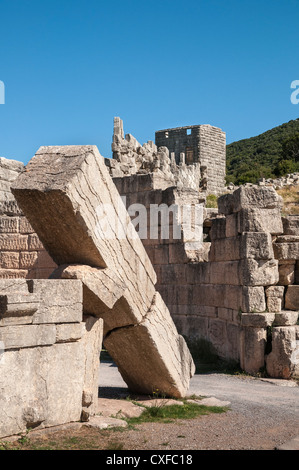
[49, 355]
[236, 287]
[22, 255]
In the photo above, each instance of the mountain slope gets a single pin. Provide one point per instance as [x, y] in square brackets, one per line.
[258, 157]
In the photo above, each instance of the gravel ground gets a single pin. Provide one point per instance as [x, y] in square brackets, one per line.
[263, 415]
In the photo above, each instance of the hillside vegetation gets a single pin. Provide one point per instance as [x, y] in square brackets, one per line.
[269, 155]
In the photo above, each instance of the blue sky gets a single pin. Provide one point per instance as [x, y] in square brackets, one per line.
[70, 66]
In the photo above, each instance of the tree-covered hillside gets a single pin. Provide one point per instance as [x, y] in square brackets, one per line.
[269, 155]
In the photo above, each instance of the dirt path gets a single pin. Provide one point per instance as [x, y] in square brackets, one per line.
[263, 414]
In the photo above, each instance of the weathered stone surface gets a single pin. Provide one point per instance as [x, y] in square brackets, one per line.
[286, 273]
[24, 336]
[253, 299]
[18, 308]
[248, 245]
[9, 224]
[252, 349]
[67, 332]
[13, 242]
[226, 272]
[260, 220]
[286, 318]
[211, 401]
[248, 197]
[286, 250]
[225, 249]
[292, 298]
[218, 228]
[257, 320]
[291, 225]
[92, 345]
[13, 273]
[43, 386]
[104, 295]
[69, 307]
[257, 246]
[151, 402]
[80, 219]
[274, 304]
[259, 272]
[275, 291]
[283, 361]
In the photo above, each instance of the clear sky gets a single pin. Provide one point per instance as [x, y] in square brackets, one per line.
[70, 66]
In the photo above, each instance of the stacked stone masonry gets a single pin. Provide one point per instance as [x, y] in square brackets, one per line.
[49, 368]
[236, 287]
[21, 252]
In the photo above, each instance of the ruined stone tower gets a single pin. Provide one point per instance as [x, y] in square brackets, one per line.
[201, 144]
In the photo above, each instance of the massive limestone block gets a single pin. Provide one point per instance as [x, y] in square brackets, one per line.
[48, 364]
[72, 204]
[142, 368]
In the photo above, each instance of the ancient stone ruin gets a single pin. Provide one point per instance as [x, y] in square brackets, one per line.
[124, 251]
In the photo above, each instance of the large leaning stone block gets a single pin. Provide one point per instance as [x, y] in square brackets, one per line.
[79, 216]
[163, 364]
[70, 200]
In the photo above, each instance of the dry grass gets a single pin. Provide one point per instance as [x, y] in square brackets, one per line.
[290, 196]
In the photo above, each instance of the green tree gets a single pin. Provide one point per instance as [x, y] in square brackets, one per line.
[290, 148]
